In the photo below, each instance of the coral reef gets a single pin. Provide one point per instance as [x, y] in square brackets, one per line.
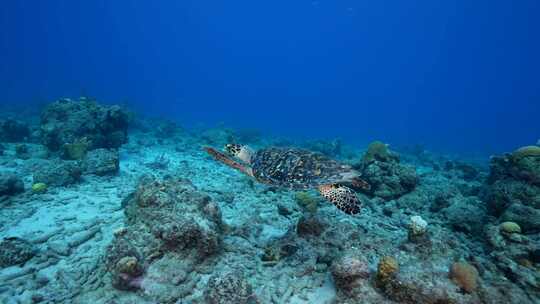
[171, 226]
[68, 122]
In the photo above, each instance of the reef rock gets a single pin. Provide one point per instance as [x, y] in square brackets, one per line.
[513, 188]
[311, 225]
[350, 270]
[195, 221]
[102, 162]
[466, 214]
[13, 131]
[10, 184]
[388, 178]
[171, 229]
[14, 251]
[58, 173]
[68, 122]
[28, 151]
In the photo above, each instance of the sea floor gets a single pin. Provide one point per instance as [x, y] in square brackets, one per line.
[274, 245]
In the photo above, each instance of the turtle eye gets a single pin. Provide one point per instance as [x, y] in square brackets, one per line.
[231, 148]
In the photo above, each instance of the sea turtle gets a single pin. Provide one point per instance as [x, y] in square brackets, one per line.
[298, 169]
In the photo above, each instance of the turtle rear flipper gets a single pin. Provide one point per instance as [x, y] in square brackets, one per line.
[342, 197]
[228, 161]
[360, 184]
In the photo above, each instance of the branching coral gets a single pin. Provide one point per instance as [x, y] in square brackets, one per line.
[387, 268]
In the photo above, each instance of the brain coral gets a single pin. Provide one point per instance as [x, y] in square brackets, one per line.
[465, 276]
[527, 151]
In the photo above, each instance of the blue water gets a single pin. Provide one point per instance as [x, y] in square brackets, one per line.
[456, 76]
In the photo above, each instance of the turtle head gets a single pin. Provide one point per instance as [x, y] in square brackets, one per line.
[242, 152]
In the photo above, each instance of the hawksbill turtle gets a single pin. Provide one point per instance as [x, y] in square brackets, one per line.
[297, 169]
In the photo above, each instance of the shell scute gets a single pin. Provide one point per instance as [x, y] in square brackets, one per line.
[296, 168]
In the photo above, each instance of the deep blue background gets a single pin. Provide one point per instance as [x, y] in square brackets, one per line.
[455, 75]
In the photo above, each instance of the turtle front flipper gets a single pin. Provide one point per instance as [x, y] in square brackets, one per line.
[342, 197]
[228, 161]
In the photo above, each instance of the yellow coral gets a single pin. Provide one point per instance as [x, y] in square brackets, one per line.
[527, 151]
[377, 151]
[510, 227]
[388, 267]
[465, 276]
[39, 188]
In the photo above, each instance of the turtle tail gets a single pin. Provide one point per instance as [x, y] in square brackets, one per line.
[228, 161]
[342, 197]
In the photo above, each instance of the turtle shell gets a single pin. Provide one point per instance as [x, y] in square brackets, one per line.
[297, 168]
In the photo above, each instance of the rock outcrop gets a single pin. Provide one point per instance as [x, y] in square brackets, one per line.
[68, 122]
[171, 229]
[388, 178]
[13, 131]
[10, 184]
[513, 190]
